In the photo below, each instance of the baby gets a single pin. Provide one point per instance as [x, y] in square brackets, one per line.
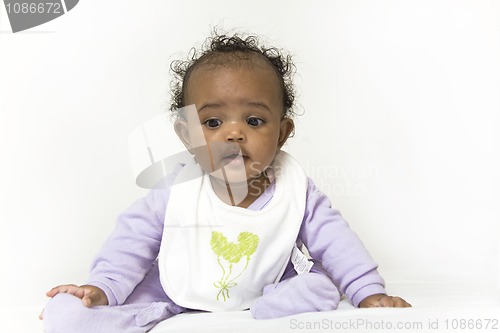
[222, 232]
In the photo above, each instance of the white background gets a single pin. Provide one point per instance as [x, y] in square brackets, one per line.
[401, 112]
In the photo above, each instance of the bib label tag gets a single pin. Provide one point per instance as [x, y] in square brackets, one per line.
[300, 262]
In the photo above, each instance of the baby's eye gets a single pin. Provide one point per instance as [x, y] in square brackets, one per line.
[212, 123]
[254, 121]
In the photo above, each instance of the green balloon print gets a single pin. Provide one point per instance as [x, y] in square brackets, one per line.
[232, 253]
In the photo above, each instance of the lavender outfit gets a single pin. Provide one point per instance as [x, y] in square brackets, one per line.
[126, 270]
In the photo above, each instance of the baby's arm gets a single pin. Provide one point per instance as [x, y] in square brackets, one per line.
[130, 251]
[127, 255]
[330, 240]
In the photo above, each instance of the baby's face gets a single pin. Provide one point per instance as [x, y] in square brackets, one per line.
[243, 108]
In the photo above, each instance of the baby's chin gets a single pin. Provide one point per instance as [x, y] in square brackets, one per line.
[230, 177]
[230, 190]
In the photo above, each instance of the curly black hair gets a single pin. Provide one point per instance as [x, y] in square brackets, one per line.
[229, 50]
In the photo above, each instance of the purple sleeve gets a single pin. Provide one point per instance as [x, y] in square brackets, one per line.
[130, 251]
[330, 240]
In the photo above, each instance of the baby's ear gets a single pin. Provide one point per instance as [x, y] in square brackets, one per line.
[286, 128]
[182, 131]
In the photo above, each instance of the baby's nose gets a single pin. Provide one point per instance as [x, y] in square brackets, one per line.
[235, 133]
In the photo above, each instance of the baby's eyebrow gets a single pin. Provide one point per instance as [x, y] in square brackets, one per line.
[253, 104]
[209, 105]
[259, 105]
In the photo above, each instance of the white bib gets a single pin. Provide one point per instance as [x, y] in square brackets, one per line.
[217, 257]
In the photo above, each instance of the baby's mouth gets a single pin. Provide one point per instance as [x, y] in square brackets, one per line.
[233, 159]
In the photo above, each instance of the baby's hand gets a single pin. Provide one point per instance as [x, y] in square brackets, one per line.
[381, 300]
[90, 295]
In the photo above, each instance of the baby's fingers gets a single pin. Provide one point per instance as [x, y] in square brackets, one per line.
[68, 289]
[90, 295]
[393, 302]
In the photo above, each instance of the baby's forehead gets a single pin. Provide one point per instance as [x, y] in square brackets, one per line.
[227, 82]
